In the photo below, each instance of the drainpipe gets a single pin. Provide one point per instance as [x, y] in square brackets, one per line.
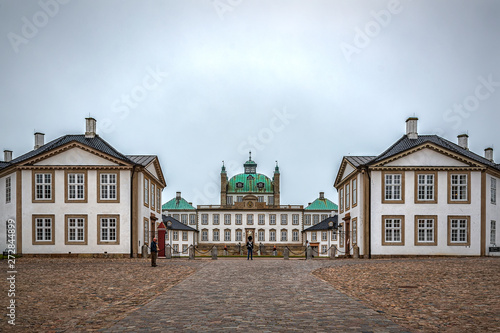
[132, 212]
[369, 214]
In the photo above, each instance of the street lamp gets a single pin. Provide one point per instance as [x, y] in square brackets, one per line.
[169, 227]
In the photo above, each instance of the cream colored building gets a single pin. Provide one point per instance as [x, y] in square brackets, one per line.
[78, 195]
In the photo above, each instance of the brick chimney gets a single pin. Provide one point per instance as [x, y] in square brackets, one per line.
[7, 155]
[411, 128]
[322, 195]
[463, 141]
[39, 140]
[178, 196]
[90, 128]
[488, 154]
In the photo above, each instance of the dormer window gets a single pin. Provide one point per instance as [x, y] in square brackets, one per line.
[239, 185]
[260, 185]
[250, 177]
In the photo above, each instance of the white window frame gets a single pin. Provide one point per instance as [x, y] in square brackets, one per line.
[493, 232]
[239, 235]
[192, 219]
[324, 236]
[272, 219]
[43, 229]
[459, 190]
[272, 235]
[354, 192]
[227, 219]
[307, 219]
[262, 219]
[146, 190]
[295, 219]
[216, 219]
[284, 235]
[493, 191]
[184, 219]
[153, 196]
[109, 232]
[229, 200]
[284, 219]
[43, 186]
[239, 219]
[77, 230]
[261, 234]
[249, 219]
[204, 235]
[227, 235]
[426, 186]
[184, 236]
[204, 219]
[393, 186]
[8, 190]
[108, 187]
[314, 236]
[215, 235]
[393, 230]
[315, 219]
[295, 235]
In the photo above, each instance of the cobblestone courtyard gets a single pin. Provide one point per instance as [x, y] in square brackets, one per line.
[448, 294]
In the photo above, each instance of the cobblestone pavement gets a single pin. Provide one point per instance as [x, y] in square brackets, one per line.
[265, 295]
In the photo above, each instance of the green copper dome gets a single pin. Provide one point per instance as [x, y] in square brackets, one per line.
[250, 183]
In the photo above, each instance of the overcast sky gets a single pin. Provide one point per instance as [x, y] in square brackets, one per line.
[197, 82]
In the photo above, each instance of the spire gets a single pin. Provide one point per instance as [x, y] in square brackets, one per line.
[223, 170]
[277, 169]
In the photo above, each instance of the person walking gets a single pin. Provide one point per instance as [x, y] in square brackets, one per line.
[250, 248]
[154, 252]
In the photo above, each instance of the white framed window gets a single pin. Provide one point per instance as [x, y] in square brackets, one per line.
[239, 219]
[425, 187]
[341, 199]
[216, 235]
[76, 229]
[76, 186]
[153, 196]
[8, 190]
[261, 236]
[146, 231]
[314, 236]
[204, 235]
[284, 219]
[216, 219]
[272, 219]
[334, 235]
[184, 218]
[347, 196]
[295, 235]
[108, 186]
[146, 190]
[158, 200]
[493, 191]
[324, 236]
[43, 186]
[284, 235]
[393, 186]
[227, 219]
[354, 231]
[315, 219]
[184, 235]
[227, 235]
[108, 229]
[239, 235]
[175, 235]
[175, 248]
[425, 230]
[323, 249]
[392, 229]
[272, 235]
[270, 200]
[204, 219]
[493, 232]
[458, 230]
[229, 200]
[44, 229]
[262, 219]
[239, 198]
[354, 192]
[324, 217]
[249, 219]
[184, 248]
[260, 198]
[295, 219]
[307, 220]
[459, 190]
[192, 219]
